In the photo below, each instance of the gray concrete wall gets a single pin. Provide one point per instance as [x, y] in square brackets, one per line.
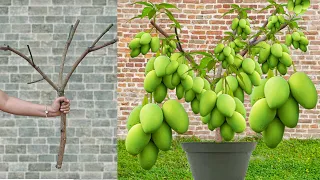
[29, 145]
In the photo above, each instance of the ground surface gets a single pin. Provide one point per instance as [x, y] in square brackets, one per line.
[291, 160]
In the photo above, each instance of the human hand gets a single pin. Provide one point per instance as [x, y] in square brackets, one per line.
[60, 105]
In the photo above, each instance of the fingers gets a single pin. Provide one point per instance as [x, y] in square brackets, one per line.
[63, 99]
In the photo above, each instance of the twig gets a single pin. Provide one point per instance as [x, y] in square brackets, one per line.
[70, 37]
[101, 35]
[8, 48]
[30, 55]
[177, 36]
[35, 81]
[263, 26]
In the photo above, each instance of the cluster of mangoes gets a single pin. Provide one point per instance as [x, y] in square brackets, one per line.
[150, 130]
[237, 44]
[224, 111]
[298, 40]
[298, 6]
[274, 56]
[142, 43]
[241, 27]
[275, 22]
[275, 104]
[225, 54]
[169, 47]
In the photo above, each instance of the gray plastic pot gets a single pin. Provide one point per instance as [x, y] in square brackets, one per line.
[219, 161]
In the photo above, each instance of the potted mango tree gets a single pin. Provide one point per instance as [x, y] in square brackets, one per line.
[215, 83]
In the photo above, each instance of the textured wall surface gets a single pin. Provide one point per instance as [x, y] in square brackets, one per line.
[202, 29]
[28, 145]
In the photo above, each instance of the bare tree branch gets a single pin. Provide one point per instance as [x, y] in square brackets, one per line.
[101, 35]
[8, 48]
[35, 81]
[30, 55]
[70, 37]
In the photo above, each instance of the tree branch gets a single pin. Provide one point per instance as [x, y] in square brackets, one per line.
[35, 81]
[8, 48]
[101, 35]
[84, 54]
[70, 37]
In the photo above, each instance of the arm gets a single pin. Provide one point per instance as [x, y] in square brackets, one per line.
[19, 107]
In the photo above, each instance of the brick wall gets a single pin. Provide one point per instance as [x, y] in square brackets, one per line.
[202, 29]
[28, 145]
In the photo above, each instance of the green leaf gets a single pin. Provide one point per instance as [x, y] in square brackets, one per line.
[139, 16]
[211, 64]
[235, 6]
[145, 11]
[244, 14]
[280, 9]
[228, 12]
[272, 2]
[265, 8]
[204, 62]
[143, 3]
[145, 100]
[171, 17]
[151, 13]
[167, 5]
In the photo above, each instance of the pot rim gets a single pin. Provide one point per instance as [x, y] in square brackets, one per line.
[214, 147]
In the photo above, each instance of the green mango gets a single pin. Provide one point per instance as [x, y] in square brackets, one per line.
[239, 30]
[148, 156]
[297, 2]
[160, 93]
[226, 105]
[248, 65]
[242, 23]
[289, 113]
[195, 106]
[136, 140]
[210, 127]
[173, 44]
[296, 36]
[230, 59]
[134, 117]
[221, 57]
[276, 50]
[207, 102]
[172, 67]
[187, 83]
[235, 23]
[139, 35]
[219, 48]
[281, 19]
[282, 69]
[244, 36]
[265, 68]
[258, 92]
[273, 134]
[286, 59]
[145, 49]
[155, 44]
[217, 118]
[290, 5]
[176, 56]
[304, 41]
[239, 94]
[277, 91]
[145, 39]
[198, 84]
[183, 71]
[232, 82]
[179, 91]
[288, 40]
[257, 67]
[303, 48]
[303, 90]
[296, 44]
[305, 4]
[224, 64]
[162, 138]
[261, 115]
[191, 73]
[175, 79]
[151, 117]
[134, 43]
[285, 48]
[264, 53]
[135, 52]
[237, 61]
[190, 95]
[152, 81]
[149, 65]
[297, 9]
[160, 65]
[245, 82]
[270, 25]
[247, 29]
[240, 107]
[198, 96]
[206, 85]
[226, 132]
[237, 122]
[167, 82]
[205, 119]
[272, 61]
[173, 109]
[227, 51]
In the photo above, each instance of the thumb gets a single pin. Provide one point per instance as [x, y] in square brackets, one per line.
[62, 99]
